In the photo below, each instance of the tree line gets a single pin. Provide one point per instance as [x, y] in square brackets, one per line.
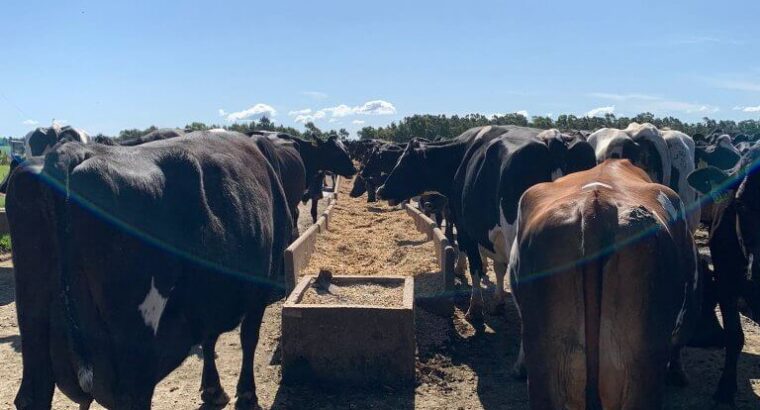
[264, 124]
[434, 126]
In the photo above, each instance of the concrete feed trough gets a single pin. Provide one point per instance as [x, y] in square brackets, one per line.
[343, 343]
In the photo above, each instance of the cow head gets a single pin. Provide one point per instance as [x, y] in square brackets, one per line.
[335, 157]
[359, 187]
[740, 188]
[407, 179]
[721, 155]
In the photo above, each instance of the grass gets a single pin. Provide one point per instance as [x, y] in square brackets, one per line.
[5, 243]
[3, 172]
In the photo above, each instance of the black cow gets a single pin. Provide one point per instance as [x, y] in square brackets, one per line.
[151, 250]
[155, 135]
[735, 250]
[38, 141]
[378, 164]
[315, 157]
[720, 154]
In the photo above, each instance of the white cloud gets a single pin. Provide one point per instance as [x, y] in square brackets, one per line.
[332, 120]
[524, 113]
[317, 95]
[340, 111]
[30, 122]
[748, 109]
[304, 118]
[375, 107]
[358, 122]
[251, 114]
[600, 111]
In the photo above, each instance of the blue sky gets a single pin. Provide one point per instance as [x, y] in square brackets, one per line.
[109, 65]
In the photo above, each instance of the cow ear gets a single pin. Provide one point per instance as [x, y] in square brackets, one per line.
[708, 180]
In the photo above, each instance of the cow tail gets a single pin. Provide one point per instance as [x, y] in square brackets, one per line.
[74, 333]
[597, 224]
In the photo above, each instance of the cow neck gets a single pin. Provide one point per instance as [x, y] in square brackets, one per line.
[442, 162]
[309, 156]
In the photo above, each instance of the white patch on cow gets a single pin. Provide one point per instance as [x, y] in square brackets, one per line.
[85, 378]
[594, 185]
[153, 307]
[483, 132]
[557, 174]
[673, 214]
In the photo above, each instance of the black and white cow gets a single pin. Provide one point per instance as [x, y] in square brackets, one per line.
[735, 250]
[38, 141]
[666, 156]
[150, 250]
[483, 172]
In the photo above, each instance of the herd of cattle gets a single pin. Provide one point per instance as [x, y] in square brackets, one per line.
[596, 232]
[128, 255]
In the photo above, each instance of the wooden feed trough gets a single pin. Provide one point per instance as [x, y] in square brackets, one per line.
[360, 333]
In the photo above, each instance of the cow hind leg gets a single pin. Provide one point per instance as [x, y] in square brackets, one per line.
[552, 343]
[734, 344]
[249, 338]
[475, 310]
[212, 392]
[500, 269]
[634, 334]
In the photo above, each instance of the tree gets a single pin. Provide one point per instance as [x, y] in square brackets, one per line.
[343, 133]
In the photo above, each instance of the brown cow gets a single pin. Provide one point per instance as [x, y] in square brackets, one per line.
[604, 273]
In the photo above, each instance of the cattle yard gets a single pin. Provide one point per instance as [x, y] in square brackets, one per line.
[456, 366]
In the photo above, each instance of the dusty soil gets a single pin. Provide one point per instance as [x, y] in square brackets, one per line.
[458, 366]
[366, 294]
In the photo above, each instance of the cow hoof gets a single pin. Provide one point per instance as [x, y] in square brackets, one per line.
[215, 396]
[247, 401]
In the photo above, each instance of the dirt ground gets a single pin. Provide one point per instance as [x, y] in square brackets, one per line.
[458, 366]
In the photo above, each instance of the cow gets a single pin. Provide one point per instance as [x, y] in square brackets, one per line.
[720, 154]
[681, 152]
[152, 249]
[641, 143]
[667, 157]
[377, 165]
[303, 160]
[41, 139]
[155, 135]
[482, 172]
[735, 250]
[604, 274]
